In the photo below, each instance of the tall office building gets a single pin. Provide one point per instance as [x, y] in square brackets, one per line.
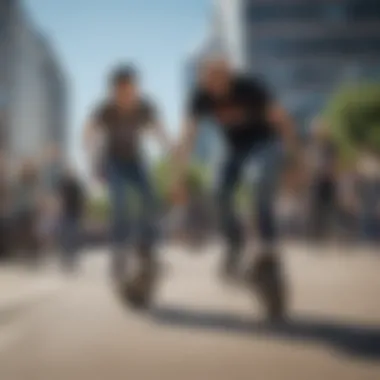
[32, 86]
[303, 48]
[5, 8]
[57, 92]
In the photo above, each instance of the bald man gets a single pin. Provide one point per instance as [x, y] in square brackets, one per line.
[255, 127]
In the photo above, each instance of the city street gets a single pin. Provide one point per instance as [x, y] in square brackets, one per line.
[200, 328]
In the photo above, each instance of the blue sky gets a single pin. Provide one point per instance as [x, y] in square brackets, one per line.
[92, 35]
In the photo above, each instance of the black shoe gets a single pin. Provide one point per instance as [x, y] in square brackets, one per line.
[267, 277]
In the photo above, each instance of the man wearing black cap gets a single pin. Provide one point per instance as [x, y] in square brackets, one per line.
[122, 118]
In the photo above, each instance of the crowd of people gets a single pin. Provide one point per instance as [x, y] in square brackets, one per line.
[42, 202]
[334, 202]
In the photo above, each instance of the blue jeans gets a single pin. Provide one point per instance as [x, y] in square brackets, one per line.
[270, 157]
[123, 176]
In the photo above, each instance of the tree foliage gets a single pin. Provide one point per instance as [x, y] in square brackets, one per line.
[353, 114]
[197, 178]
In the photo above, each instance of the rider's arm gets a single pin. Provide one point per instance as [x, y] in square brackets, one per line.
[284, 124]
[92, 142]
[93, 131]
[155, 125]
[196, 109]
[160, 134]
[90, 132]
[275, 114]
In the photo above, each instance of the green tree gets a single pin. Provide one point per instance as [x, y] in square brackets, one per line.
[353, 113]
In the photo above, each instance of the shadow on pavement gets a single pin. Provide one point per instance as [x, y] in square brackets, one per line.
[356, 340]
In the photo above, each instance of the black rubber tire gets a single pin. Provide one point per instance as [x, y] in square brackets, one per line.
[139, 292]
[268, 281]
[136, 298]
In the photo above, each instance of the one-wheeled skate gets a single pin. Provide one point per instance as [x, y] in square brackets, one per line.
[136, 287]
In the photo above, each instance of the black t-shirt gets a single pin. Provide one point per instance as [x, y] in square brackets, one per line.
[241, 114]
[122, 129]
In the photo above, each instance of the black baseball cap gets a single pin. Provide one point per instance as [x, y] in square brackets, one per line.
[123, 74]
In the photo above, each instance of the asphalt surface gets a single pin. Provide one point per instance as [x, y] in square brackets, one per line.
[201, 328]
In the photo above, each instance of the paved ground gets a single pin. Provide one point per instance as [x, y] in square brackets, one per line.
[22, 288]
[201, 328]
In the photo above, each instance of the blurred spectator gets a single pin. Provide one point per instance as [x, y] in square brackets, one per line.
[50, 176]
[4, 209]
[49, 221]
[197, 222]
[369, 195]
[51, 168]
[291, 215]
[323, 195]
[291, 203]
[72, 201]
[348, 205]
[25, 210]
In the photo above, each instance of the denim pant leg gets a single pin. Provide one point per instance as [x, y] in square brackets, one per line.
[117, 187]
[271, 159]
[146, 232]
[230, 176]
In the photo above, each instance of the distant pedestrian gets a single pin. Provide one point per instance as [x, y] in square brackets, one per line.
[4, 209]
[323, 196]
[369, 196]
[72, 206]
[25, 210]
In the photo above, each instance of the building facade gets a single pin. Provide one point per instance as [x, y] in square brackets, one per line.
[5, 13]
[34, 105]
[304, 49]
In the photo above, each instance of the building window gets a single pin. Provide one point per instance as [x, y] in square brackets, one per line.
[304, 11]
[291, 47]
[335, 12]
[363, 9]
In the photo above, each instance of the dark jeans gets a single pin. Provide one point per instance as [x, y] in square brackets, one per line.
[324, 209]
[25, 235]
[369, 217]
[70, 238]
[270, 157]
[5, 239]
[123, 176]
